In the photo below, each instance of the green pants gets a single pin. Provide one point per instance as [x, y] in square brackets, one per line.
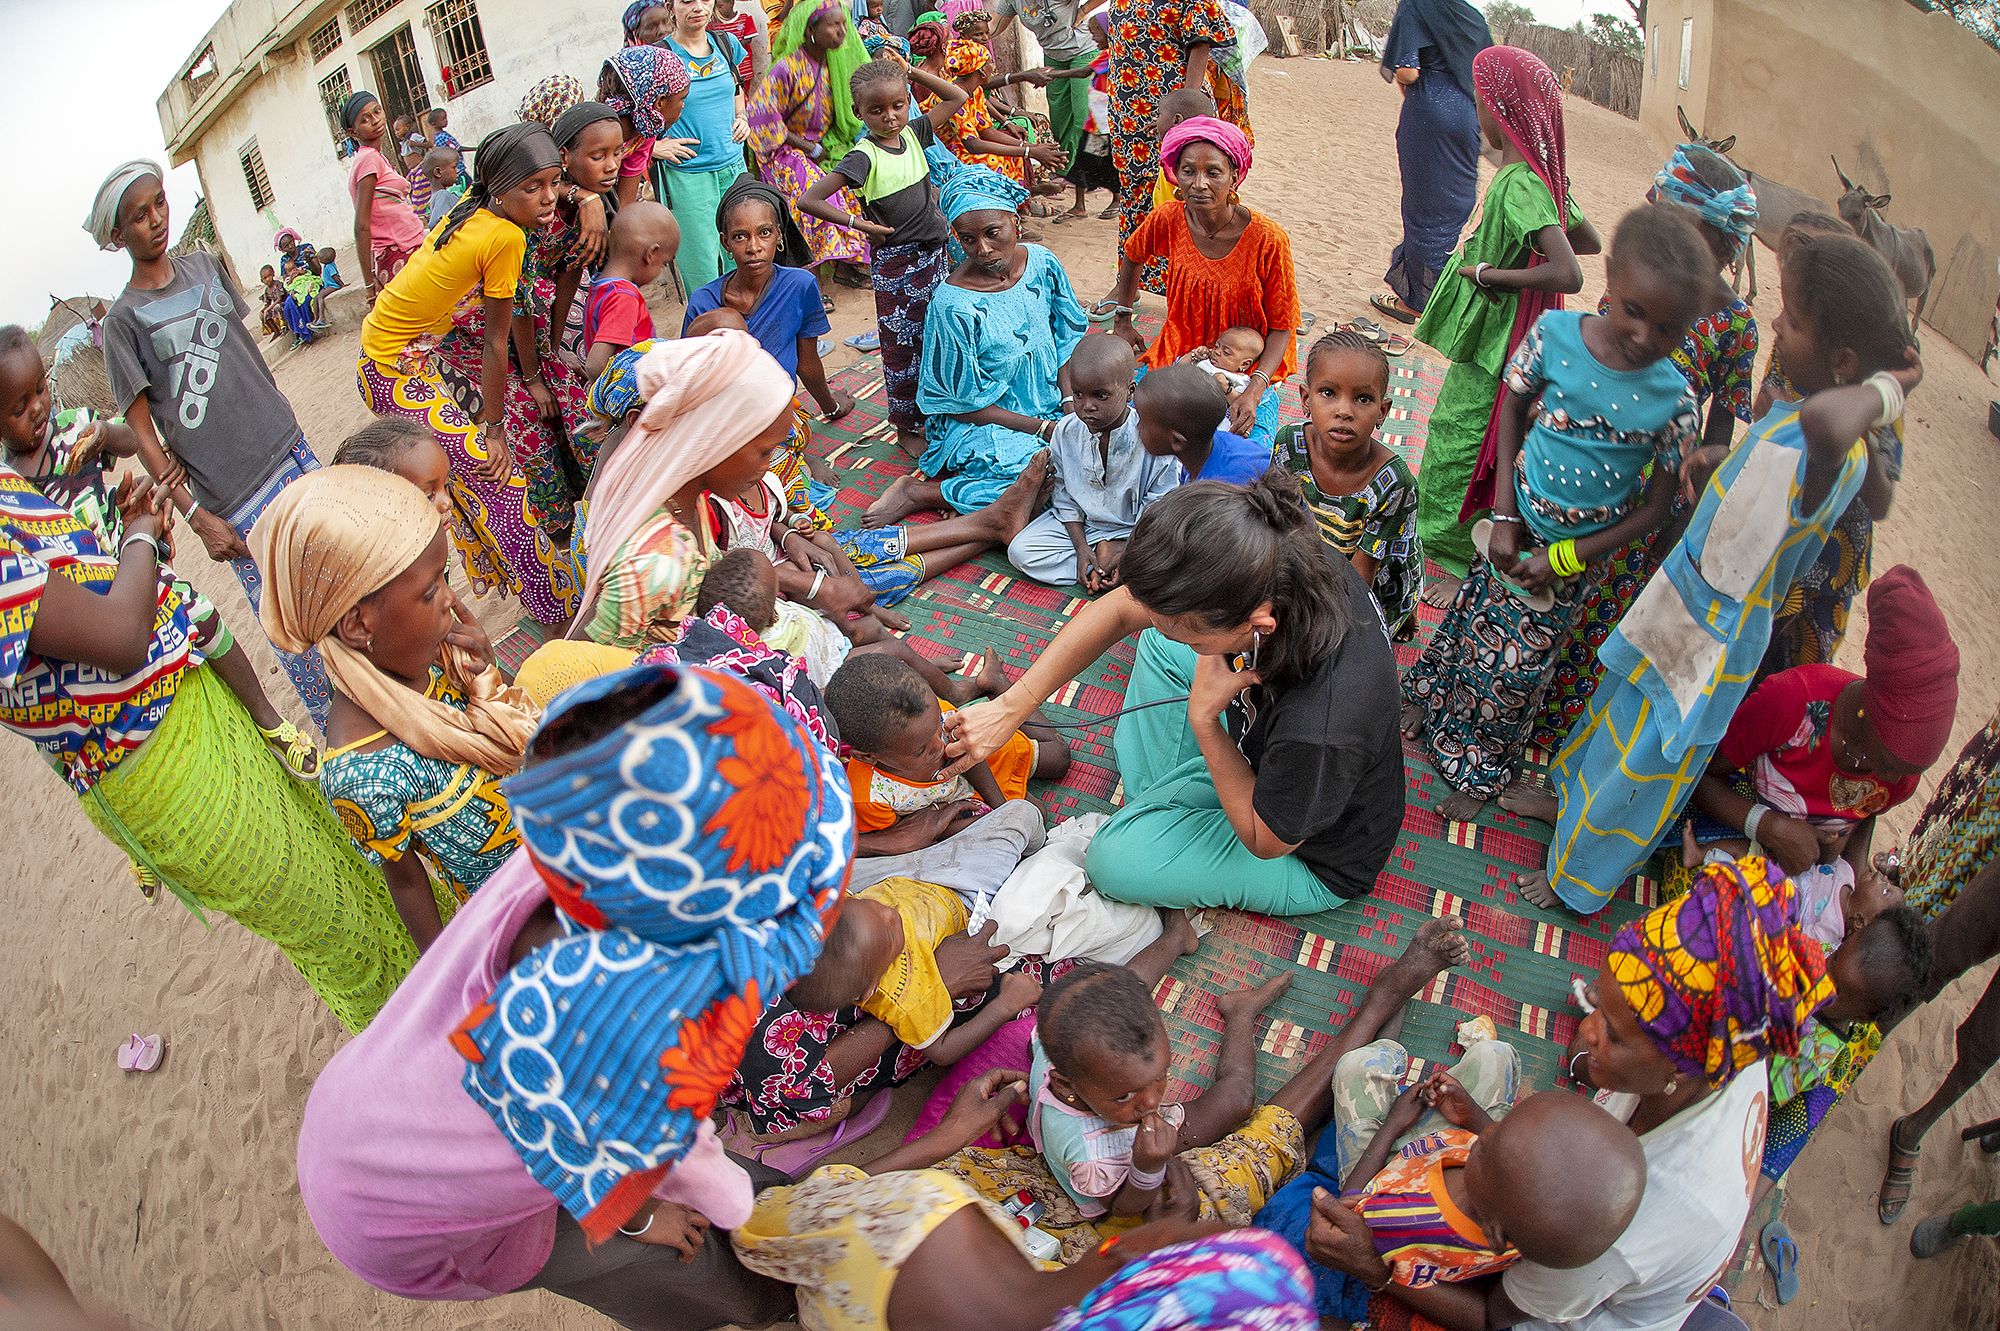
[1366, 1082]
[1069, 106]
[693, 197]
[1451, 453]
[1976, 1218]
[1172, 844]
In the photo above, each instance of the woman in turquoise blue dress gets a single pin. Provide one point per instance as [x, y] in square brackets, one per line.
[1684, 656]
[999, 331]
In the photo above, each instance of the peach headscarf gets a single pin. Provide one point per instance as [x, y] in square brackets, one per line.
[706, 397]
[338, 535]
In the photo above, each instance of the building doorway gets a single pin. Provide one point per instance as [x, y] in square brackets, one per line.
[399, 79]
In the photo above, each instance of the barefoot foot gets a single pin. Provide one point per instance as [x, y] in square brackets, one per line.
[893, 621]
[1690, 848]
[1530, 799]
[905, 495]
[1442, 591]
[1247, 1003]
[1413, 720]
[1178, 925]
[1461, 807]
[1439, 945]
[1535, 890]
[991, 681]
[1016, 506]
[912, 442]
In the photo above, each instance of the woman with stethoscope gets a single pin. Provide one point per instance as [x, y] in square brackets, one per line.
[1279, 786]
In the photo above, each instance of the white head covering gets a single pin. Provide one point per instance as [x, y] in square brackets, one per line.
[103, 219]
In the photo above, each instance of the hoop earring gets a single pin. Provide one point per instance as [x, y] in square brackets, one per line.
[1234, 198]
[1178, 196]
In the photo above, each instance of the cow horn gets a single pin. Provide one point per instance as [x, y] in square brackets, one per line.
[1845, 183]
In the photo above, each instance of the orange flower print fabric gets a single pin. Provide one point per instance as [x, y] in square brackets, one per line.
[696, 840]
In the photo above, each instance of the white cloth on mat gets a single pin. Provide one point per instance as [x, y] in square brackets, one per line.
[1048, 908]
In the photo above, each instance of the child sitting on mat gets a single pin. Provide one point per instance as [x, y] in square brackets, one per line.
[892, 725]
[1180, 415]
[1103, 479]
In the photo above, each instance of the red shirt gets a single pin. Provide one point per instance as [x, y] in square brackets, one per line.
[1781, 736]
[742, 28]
[616, 312]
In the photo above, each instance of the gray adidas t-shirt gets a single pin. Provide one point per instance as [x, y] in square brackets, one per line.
[211, 395]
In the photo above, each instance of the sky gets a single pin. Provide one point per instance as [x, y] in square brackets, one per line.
[110, 117]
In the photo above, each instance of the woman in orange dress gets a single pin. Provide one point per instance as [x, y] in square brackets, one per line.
[1228, 266]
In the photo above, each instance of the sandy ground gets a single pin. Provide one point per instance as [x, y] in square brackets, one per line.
[172, 1196]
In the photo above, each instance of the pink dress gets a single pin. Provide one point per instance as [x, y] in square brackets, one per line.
[394, 229]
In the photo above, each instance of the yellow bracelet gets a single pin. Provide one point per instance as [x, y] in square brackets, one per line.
[1563, 559]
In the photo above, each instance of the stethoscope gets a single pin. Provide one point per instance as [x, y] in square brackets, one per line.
[1238, 663]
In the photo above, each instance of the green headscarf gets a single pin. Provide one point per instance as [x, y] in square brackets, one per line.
[843, 127]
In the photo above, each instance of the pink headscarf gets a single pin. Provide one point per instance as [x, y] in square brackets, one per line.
[1525, 98]
[1234, 143]
[706, 397]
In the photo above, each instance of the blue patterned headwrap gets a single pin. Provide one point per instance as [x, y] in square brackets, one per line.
[695, 855]
[979, 187]
[1732, 212]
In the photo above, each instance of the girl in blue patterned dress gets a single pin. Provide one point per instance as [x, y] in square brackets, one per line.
[1683, 658]
[1592, 403]
[422, 728]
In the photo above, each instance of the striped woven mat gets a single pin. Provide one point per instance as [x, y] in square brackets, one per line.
[1523, 958]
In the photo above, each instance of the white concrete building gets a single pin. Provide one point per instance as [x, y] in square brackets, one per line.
[255, 107]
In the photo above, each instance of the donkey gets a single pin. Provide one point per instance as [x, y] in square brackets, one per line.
[1906, 249]
[1746, 256]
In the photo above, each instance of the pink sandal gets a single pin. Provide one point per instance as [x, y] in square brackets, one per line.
[796, 1157]
[141, 1053]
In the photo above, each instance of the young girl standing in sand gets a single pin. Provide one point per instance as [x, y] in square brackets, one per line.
[1518, 262]
[422, 727]
[1684, 655]
[387, 228]
[476, 253]
[1362, 493]
[1592, 429]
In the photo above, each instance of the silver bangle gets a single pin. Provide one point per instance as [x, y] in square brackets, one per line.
[1147, 1181]
[1514, 518]
[1479, 274]
[1754, 819]
[819, 580]
[635, 1233]
[139, 537]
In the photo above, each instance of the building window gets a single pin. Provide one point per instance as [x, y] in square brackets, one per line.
[201, 73]
[325, 39]
[1687, 50]
[334, 90]
[254, 175]
[461, 46]
[364, 12]
[1653, 51]
[399, 78]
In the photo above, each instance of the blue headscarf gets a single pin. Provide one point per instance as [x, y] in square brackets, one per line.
[1452, 28]
[694, 854]
[1732, 211]
[972, 188]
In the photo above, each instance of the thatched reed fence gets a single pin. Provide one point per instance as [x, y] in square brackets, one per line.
[77, 374]
[1590, 70]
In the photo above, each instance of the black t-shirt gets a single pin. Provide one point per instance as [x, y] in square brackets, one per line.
[912, 211]
[1328, 754]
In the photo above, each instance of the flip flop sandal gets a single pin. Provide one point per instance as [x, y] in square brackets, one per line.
[1781, 1254]
[1392, 307]
[826, 303]
[1108, 213]
[1365, 329]
[825, 346]
[868, 341]
[1105, 311]
[1394, 344]
[141, 1053]
[797, 1157]
[1306, 322]
[1482, 535]
[1899, 1178]
[294, 749]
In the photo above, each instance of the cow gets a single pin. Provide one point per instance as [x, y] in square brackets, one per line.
[1906, 249]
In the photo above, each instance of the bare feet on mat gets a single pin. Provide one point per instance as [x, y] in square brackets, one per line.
[1530, 799]
[905, 495]
[892, 620]
[1178, 925]
[1460, 807]
[1439, 945]
[1015, 508]
[1441, 591]
[1535, 890]
[990, 682]
[912, 442]
[1246, 1003]
[1413, 720]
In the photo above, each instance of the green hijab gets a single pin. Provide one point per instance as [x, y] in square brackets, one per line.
[843, 127]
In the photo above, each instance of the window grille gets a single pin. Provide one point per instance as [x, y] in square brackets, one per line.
[461, 45]
[254, 175]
